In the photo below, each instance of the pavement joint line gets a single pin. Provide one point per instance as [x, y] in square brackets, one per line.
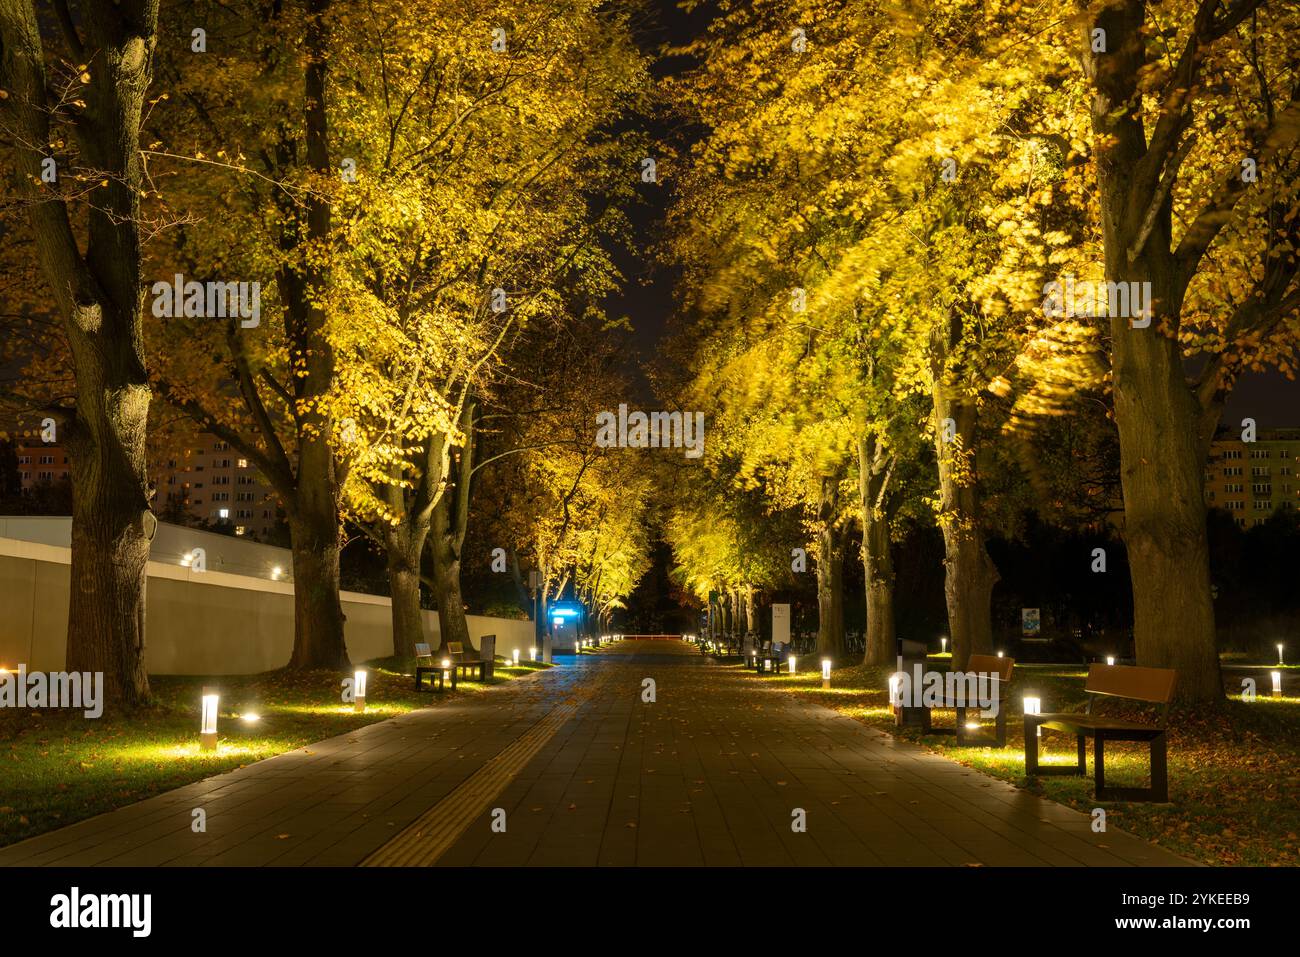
[434, 832]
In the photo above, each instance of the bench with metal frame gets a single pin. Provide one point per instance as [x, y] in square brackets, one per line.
[437, 675]
[997, 670]
[462, 666]
[772, 653]
[1150, 685]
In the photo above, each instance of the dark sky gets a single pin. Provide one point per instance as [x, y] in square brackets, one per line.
[647, 296]
[1269, 398]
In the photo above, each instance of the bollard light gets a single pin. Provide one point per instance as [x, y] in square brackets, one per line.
[250, 717]
[532, 654]
[943, 645]
[1280, 646]
[1110, 659]
[516, 657]
[896, 690]
[359, 691]
[446, 669]
[826, 672]
[792, 664]
[1277, 683]
[208, 723]
[1034, 706]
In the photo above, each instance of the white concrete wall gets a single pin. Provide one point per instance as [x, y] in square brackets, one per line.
[209, 622]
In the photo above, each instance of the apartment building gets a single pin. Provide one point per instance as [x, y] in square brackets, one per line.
[1252, 480]
[39, 464]
[208, 482]
[213, 483]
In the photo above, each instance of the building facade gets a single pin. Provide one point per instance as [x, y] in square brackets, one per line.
[1252, 480]
[208, 483]
[213, 483]
[39, 463]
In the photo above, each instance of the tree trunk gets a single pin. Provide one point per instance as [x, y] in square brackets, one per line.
[969, 573]
[109, 545]
[318, 614]
[304, 281]
[830, 573]
[450, 520]
[100, 299]
[452, 623]
[403, 547]
[1157, 415]
[877, 562]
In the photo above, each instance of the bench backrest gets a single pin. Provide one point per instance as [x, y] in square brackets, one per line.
[455, 649]
[487, 648]
[909, 648]
[422, 651]
[1127, 681]
[991, 665]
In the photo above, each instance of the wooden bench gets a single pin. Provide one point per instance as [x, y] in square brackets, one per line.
[998, 670]
[772, 653]
[460, 665]
[436, 674]
[1150, 685]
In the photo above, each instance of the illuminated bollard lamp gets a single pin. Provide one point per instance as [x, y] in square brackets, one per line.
[208, 721]
[359, 692]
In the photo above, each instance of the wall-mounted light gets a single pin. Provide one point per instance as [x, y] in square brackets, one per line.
[276, 572]
[1277, 683]
[359, 692]
[999, 654]
[208, 722]
[1033, 706]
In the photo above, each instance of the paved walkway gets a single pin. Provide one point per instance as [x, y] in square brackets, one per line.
[581, 771]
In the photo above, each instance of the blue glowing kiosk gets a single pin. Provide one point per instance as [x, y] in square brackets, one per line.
[565, 618]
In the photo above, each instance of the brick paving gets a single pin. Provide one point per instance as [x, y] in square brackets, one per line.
[708, 774]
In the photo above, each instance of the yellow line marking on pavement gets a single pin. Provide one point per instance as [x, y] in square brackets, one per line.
[433, 833]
